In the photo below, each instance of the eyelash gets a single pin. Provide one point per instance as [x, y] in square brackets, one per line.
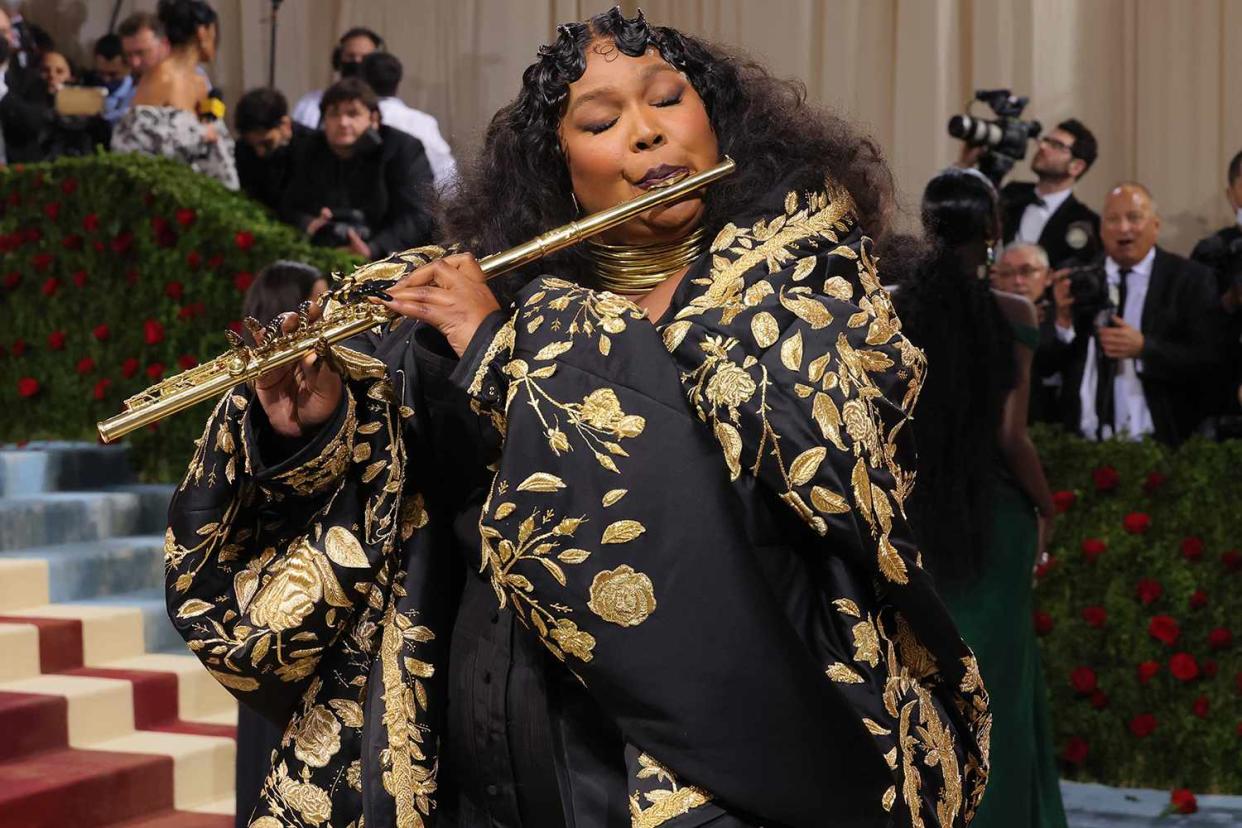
[596, 129]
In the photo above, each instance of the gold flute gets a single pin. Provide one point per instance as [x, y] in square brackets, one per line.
[351, 314]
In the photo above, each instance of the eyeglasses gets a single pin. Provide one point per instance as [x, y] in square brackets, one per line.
[1025, 271]
[1055, 144]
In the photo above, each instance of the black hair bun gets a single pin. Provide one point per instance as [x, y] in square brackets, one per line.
[181, 18]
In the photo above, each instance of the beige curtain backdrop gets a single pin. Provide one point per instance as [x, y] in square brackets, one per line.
[1152, 78]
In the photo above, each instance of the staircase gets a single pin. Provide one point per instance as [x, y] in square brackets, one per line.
[105, 717]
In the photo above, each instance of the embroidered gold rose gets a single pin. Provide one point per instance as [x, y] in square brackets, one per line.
[622, 596]
[316, 737]
[576, 642]
[730, 386]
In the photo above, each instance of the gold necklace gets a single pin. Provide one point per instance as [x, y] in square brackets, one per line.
[637, 268]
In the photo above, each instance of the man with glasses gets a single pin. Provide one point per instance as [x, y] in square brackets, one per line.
[1045, 212]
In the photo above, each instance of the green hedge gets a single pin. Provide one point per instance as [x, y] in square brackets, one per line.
[116, 270]
[1141, 612]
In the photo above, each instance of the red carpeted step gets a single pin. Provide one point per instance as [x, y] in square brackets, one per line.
[179, 819]
[82, 788]
[32, 722]
[60, 641]
[155, 701]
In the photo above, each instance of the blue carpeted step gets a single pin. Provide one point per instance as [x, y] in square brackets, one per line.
[153, 501]
[52, 518]
[158, 633]
[1099, 806]
[98, 568]
[60, 466]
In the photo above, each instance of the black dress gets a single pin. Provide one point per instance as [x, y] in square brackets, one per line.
[690, 595]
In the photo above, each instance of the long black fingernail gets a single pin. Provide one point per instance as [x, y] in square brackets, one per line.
[385, 296]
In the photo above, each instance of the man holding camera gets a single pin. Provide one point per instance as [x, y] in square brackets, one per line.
[1222, 252]
[357, 184]
[1145, 348]
[1046, 212]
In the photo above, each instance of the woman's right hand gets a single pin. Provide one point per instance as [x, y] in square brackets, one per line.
[301, 396]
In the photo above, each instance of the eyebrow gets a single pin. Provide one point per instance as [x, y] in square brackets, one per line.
[606, 91]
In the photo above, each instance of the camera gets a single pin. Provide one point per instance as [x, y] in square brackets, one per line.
[1093, 300]
[1004, 137]
[336, 232]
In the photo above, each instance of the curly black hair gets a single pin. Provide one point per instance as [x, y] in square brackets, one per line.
[951, 313]
[519, 186]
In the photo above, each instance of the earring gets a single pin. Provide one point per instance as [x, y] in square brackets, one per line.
[574, 199]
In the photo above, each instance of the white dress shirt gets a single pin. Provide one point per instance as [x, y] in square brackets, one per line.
[1130, 411]
[1035, 216]
[396, 114]
[306, 110]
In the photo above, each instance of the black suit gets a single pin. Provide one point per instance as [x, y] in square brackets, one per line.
[266, 179]
[1180, 325]
[1214, 253]
[1056, 237]
[1052, 357]
[25, 114]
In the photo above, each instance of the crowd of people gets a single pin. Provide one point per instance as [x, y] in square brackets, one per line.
[1028, 305]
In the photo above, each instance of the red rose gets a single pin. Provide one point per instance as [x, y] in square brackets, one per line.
[129, 367]
[1083, 680]
[27, 387]
[186, 216]
[1192, 548]
[101, 332]
[1210, 668]
[71, 242]
[1147, 670]
[1220, 638]
[1063, 501]
[1093, 548]
[215, 261]
[12, 279]
[243, 239]
[90, 222]
[41, 261]
[132, 276]
[85, 365]
[56, 340]
[1198, 599]
[31, 234]
[19, 347]
[1075, 751]
[122, 242]
[243, 280]
[15, 198]
[1148, 590]
[155, 370]
[52, 210]
[1137, 523]
[1232, 560]
[1163, 628]
[1043, 622]
[69, 186]
[1183, 801]
[174, 290]
[1153, 482]
[1143, 725]
[1041, 570]
[191, 310]
[51, 286]
[1184, 667]
[1095, 616]
[99, 246]
[101, 388]
[1099, 700]
[152, 332]
[79, 278]
[192, 259]
[186, 362]
[1105, 478]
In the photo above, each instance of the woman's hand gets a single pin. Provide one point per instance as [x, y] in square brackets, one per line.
[300, 397]
[450, 294]
[1047, 528]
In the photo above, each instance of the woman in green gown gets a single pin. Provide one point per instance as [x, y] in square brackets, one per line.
[982, 508]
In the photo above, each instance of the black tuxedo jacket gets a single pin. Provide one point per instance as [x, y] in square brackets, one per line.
[1057, 239]
[1180, 325]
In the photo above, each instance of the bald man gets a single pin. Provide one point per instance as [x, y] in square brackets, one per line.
[1143, 369]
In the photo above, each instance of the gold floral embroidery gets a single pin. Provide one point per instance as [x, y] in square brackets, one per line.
[316, 737]
[320, 472]
[663, 804]
[622, 596]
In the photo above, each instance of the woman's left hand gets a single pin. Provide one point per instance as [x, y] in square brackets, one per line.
[450, 294]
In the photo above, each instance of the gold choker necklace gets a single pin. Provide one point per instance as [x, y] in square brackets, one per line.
[637, 268]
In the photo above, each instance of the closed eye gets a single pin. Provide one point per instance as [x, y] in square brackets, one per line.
[671, 101]
[597, 128]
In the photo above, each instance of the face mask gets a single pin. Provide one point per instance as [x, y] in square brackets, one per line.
[351, 69]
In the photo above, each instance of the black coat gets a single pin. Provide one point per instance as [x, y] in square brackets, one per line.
[1056, 238]
[390, 183]
[25, 115]
[1213, 252]
[1180, 325]
[266, 179]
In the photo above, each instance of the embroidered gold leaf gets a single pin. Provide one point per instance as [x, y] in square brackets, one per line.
[605, 345]
[349, 712]
[875, 728]
[791, 201]
[866, 643]
[828, 501]
[193, 607]
[612, 496]
[839, 288]
[370, 428]
[554, 570]
[554, 350]
[343, 549]
[623, 531]
[724, 238]
[891, 564]
[845, 605]
[533, 325]
[260, 649]
[541, 482]
[807, 309]
[883, 511]
[362, 452]
[373, 470]
[756, 293]
[861, 484]
[573, 556]
[816, 369]
[731, 442]
[504, 510]
[846, 251]
[828, 418]
[859, 319]
[804, 466]
[889, 798]
[519, 581]
[803, 391]
[843, 674]
[675, 333]
[243, 684]
[791, 352]
[765, 330]
[803, 268]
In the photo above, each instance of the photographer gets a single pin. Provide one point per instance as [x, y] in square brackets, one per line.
[1222, 252]
[1046, 212]
[358, 184]
[1141, 363]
